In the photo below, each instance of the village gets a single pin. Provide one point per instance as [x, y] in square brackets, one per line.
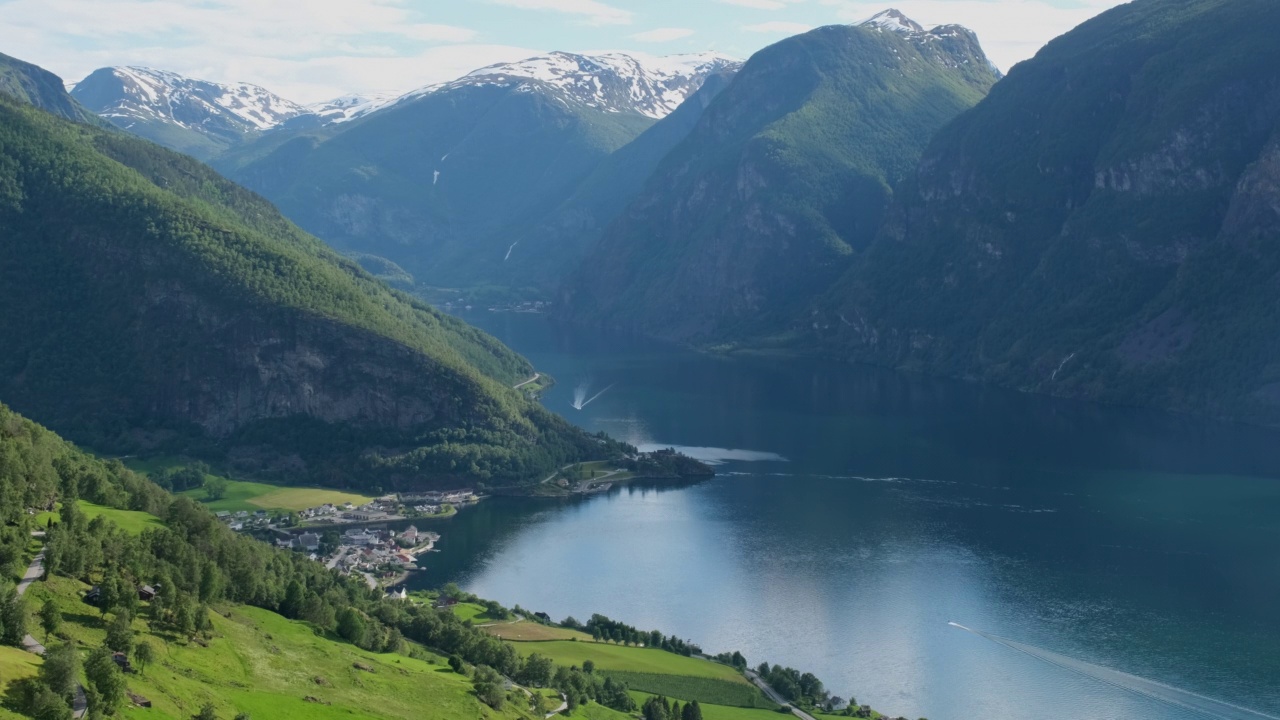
[383, 557]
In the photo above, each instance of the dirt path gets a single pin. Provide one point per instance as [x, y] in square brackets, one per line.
[535, 378]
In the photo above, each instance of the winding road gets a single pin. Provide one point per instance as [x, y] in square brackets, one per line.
[535, 378]
[35, 571]
[774, 696]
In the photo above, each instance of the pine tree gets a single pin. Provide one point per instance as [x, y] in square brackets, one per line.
[50, 619]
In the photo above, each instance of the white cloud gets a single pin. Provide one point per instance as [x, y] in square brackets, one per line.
[661, 35]
[778, 27]
[760, 4]
[1010, 30]
[305, 50]
[428, 32]
[595, 12]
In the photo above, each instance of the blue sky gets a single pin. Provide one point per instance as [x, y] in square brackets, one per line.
[312, 50]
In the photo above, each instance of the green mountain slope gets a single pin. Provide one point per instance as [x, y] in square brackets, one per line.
[236, 624]
[37, 86]
[547, 251]
[439, 185]
[234, 627]
[1103, 225]
[781, 184]
[153, 305]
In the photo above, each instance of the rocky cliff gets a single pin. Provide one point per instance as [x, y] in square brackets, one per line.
[1103, 225]
[781, 184]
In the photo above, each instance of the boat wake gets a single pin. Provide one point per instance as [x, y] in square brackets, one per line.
[580, 399]
[1150, 689]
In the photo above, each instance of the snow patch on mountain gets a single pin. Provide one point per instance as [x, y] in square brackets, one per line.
[140, 93]
[612, 82]
[350, 107]
[893, 20]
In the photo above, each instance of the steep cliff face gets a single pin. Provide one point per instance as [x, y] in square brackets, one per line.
[150, 304]
[780, 185]
[1102, 225]
[29, 83]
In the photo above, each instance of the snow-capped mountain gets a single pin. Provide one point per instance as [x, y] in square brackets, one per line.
[613, 82]
[349, 107]
[893, 20]
[192, 115]
[950, 45]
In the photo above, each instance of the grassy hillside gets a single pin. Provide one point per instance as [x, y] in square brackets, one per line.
[258, 662]
[158, 307]
[631, 659]
[238, 626]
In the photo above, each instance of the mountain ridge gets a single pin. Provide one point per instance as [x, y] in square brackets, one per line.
[780, 185]
[1099, 227]
[198, 117]
[124, 258]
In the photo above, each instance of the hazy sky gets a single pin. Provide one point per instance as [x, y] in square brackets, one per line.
[312, 50]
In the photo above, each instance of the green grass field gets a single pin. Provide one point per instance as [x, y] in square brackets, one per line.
[704, 690]
[260, 663]
[251, 496]
[630, 659]
[720, 712]
[15, 664]
[596, 711]
[131, 521]
[475, 613]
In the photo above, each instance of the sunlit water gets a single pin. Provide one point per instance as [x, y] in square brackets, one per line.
[858, 512]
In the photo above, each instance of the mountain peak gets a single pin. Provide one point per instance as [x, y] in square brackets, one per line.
[611, 82]
[893, 19]
[208, 114]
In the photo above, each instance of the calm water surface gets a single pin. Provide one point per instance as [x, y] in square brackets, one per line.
[859, 511]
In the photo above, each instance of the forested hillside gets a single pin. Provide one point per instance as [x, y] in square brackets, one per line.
[449, 181]
[194, 620]
[152, 305]
[1103, 225]
[781, 185]
[204, 573]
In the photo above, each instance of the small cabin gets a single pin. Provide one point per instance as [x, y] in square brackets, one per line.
[543, 617]
[146, 593]
[122, 661]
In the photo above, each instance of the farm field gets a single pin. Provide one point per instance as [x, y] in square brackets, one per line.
[719, 712]
[632, 659]
[704, 690]
[475, 613]
[132, 521]
[252, 496]
[532, 631]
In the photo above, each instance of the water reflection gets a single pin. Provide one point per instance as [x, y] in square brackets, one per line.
[1128, 539]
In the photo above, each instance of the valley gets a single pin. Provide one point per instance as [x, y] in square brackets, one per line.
[799, 359]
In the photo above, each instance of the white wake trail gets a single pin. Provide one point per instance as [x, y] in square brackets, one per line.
[579, 406]
[1150, 689]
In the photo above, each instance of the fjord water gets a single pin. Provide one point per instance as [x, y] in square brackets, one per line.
[857, 512]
